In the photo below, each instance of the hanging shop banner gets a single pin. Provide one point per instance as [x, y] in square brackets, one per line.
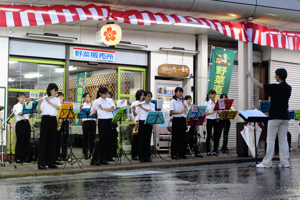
[80, 85]
[221, 71]
[99, 55]
[173, 70]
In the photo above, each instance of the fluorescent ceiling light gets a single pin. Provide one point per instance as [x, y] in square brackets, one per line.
[12, 62]
[32, 75]
[11, 80]
[59, 70]
[125, 43]
[51, 36]
[178, 49]
[191, 25]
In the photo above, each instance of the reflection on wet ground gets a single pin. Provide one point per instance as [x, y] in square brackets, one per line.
[235, 181]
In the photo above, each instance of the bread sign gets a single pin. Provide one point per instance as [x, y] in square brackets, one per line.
[174, 70]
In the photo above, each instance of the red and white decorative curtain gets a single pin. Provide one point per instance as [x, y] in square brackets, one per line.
[26, 15]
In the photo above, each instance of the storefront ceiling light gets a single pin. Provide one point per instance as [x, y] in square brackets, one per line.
[11, 80]
[125, 43]
[191, 25]
[51, 36]
[59, 70]
[178, 49]
[32, 75]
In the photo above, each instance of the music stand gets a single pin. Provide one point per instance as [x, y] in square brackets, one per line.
[120, 116]
[253, 116]
[155, 117]
[197, 118]
[66, 113]
[84, 114]
[226, 106]
[264, 106]
[7, 158]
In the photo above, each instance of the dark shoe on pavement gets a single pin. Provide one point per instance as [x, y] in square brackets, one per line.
[135, 158]
[148, 160]
[18, 161]
[57, 163]
[104, 162]
[27, 161]
[198, 155]
[142, 160]
[208, 154]
[86, 157]
[215, 154]
[42, 167]
[183, 157]
[93, 162]
[175, 157]
[52, 166]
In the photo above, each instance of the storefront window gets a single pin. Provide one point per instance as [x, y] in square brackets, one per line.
[131, 81]
[30, 75]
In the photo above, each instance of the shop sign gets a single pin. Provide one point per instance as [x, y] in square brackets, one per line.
[94, 54]
[174, 70]
[221, 71]
[34, 95]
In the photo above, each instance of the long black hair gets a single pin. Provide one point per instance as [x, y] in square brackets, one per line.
[102, 90]
[138, 94]
[223, 95]
[19, 94]
[210, 92]
[50, 87]
[176, 90]
[282, 73]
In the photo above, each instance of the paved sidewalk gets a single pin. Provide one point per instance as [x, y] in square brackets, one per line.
[30, 169]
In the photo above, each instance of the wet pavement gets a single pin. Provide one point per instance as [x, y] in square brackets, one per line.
[228, 181]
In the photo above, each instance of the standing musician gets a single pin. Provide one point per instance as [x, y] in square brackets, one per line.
[49, 108]
[88, 128]
[23, 130]
[178, 109]
[212, 122]
[104, 107]
[139, 96]
[145, 130]
[113, 152]
[278, 117]
[225, 124]
[60, 129]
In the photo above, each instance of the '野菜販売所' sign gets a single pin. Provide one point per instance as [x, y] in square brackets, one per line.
[174, 70]
[101, 55]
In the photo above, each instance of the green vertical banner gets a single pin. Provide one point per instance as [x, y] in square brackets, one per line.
[221, 71]
[80, 85]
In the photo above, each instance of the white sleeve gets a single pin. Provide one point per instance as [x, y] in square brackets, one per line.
[95, 105]
[153, 107]
[172, 105]
[137, 110]
[16, 110]
[112, 103]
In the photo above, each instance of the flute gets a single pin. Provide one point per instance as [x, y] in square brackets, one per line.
[46, 97]
[94, 110]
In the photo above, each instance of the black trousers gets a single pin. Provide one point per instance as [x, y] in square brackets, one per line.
[114, 147]
[23, 140]
[145, 131]
[135, 145]
[103, 148]
[178, 136]
[48, 139]
[225, 127]
[89, 133]
[213, 123]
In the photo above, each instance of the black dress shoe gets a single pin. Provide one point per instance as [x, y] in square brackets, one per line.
[104, 162]
[42, 167]
[111, 160]
[198, 155]
[148, 160]
[86, 157]
[27, 161]
[52, 166]
[183, 157]
[208, 154]
[142, 160]
[93, 162]
[175, 158]
[18, 161]
[135, 158]
[59, 159]
[215, 154]
[57, 163]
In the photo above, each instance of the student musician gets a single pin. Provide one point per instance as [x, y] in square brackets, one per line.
[139, 96]
[88, 128]
[212, 122]
[23, 130]
[178, 109]
[191, 137]
[49, 107]
[104, 107]
[114, 147]
[225, 124]
[60, 129]
[145, 130]
[278, 117]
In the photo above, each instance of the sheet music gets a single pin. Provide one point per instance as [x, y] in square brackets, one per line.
[252, 113]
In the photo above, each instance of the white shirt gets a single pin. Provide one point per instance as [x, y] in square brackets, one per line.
[48, 109]
[18, 108]
[177, 105]
[106, 103]
[135, 104]
[87, 105]
[210, 107]
[142, 115]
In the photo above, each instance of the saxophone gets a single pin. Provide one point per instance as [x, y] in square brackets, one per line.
[135, 129]
[59, 124]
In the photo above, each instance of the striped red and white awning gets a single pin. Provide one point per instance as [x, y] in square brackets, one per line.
[25, 15]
